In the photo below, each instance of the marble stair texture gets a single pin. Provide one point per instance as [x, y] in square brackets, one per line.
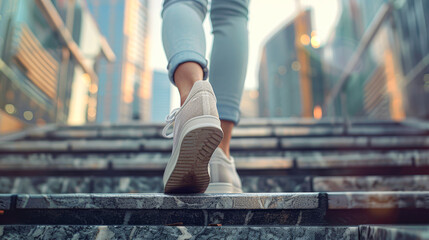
[303, 179]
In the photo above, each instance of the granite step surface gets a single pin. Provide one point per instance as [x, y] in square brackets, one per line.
[251, 184]
[332, 208]
[248, 163]
[370, 183]
[327, 179]
[161, 209]
[255, 135]
[406, 232]
[237, 144]
[361, 232]
[178, 232]
[239, 132]
[247, 128]
[137, 184]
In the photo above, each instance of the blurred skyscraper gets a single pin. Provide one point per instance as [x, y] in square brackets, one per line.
[48, 50]
[391, 77]
[290, 79]
[125, 85]
[161, 95]
[374, 65]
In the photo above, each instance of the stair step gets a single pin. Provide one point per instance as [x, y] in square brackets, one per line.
[394, 232]
[393, 163]
[259, 131]
[149, 184]
[237, 144]
[247, 128]
[158, 201]
[362, 232]
[145, 162]
[333, 208]
[378, 200]
[359, 160]
[251, 184]
[247, 122]
[178, 232]
[399, 142]
[422, 160]
[371, 183]
[259, 128]
[98, 181]
[160, 209]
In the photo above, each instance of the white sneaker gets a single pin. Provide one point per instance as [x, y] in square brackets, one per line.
[197, 133]
[223, 175]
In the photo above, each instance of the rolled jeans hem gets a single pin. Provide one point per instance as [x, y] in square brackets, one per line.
[186, 56]
[228, 113]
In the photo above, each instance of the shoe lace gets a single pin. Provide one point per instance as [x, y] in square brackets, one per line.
[170, 121]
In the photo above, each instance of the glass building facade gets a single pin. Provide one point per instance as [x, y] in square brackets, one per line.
[161, 96]
[375, 64]
[388, 81]
[290, 79]
[126, 84]
[44, 74]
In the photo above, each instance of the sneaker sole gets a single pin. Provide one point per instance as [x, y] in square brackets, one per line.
[190, 173]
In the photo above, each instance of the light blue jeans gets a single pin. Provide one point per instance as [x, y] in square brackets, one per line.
[184, 41]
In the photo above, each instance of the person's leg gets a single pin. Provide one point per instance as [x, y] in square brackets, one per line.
[184, 42]
[228, 61]
[185, 76]
[197, 130]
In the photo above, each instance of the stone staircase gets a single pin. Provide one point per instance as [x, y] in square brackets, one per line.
[304, 179]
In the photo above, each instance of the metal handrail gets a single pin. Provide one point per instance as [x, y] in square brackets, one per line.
[368, 36]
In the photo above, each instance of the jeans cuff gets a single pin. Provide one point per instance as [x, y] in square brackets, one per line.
[186, 56]
[228, 113]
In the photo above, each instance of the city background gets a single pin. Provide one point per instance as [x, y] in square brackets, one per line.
[333, 141]
[101, 61]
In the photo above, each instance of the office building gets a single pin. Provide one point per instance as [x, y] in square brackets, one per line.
[388, 81]
[125, 85]
[161, 96]
[48, 52]
[290, 83]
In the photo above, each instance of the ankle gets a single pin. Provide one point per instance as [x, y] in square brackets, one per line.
[227, 127]
[185, 76]
[225, 149]
[184, 90]
[183, 98]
